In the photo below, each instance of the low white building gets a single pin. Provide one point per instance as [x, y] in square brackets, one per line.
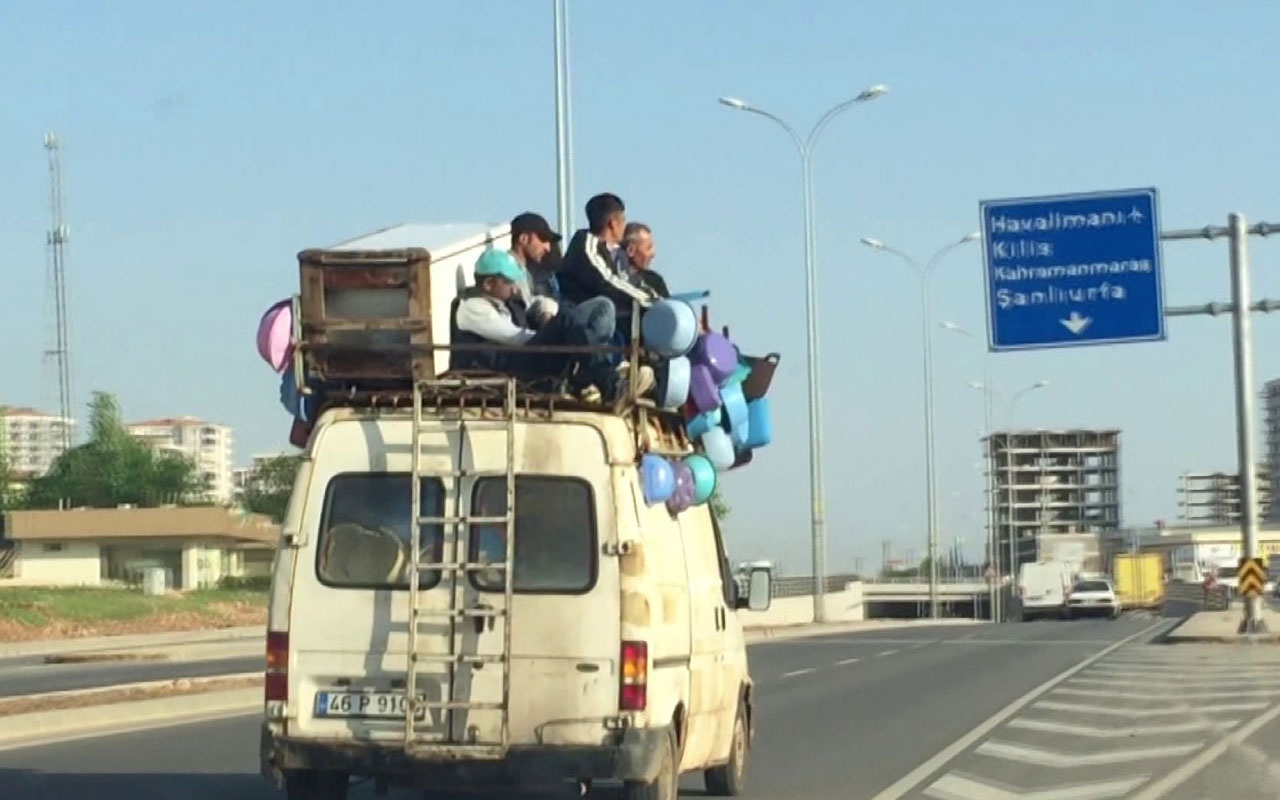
[196, 547]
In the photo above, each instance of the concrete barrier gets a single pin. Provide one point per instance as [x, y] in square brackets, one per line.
[843, 606]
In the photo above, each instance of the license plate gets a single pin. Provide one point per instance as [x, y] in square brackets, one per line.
[364, 705]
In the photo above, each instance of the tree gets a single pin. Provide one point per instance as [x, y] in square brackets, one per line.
[272, 483]
[113, 468]
[719, 506]
[9, 495]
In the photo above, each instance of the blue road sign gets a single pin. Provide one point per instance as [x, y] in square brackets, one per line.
[1073, 270]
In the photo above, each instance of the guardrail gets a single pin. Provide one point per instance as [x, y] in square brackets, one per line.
[801, 585]
[1217, 598]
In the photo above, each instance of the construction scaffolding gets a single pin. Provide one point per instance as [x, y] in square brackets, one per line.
[1213, 498]
[1051, 482]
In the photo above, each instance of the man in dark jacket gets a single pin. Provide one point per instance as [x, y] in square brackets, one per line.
[590, 265]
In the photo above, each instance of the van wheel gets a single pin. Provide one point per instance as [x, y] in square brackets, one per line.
[666, 786]
[314, 784]
[730, 779]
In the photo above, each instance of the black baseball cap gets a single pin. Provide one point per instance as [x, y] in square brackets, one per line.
[530, 222]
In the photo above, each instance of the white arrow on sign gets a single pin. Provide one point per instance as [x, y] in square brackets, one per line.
[1076, 323]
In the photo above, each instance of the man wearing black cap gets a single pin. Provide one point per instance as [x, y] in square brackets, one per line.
[531, 240]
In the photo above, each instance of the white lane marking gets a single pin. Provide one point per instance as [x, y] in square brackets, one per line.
[918, 775]
[793, 673]
[1198, 675]
[1179, 709]
[885, 653]
[1091, 732]
[1187, 683]
[847, 661]
[953, 786]
[1181, 696]
[1034, 756]
[1206, 757]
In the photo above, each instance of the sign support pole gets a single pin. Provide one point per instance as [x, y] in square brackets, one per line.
[1242, 345]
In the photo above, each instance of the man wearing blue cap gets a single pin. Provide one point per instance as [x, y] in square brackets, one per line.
[483, 315]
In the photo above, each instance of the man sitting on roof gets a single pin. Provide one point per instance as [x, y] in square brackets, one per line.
[483, 315]
[532, 242]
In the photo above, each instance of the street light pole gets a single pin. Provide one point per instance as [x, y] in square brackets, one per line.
[564, 156]
[804, 147]
[931, 478]
[1008, 458]
[993, 544]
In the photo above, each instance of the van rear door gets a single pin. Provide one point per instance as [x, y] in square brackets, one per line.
[565, 619]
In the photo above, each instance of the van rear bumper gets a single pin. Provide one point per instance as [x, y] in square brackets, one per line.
[635, 754]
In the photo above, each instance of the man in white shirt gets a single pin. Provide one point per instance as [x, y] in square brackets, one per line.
[483, 315]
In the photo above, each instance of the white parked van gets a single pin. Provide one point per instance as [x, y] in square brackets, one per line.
[561, 627]
[1043, 587]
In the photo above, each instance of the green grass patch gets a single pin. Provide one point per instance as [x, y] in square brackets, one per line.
[38, 607]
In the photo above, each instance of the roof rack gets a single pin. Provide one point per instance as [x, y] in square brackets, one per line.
[364, 332]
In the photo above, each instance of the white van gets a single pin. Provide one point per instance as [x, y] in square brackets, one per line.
[1043, 587]
[614, 651]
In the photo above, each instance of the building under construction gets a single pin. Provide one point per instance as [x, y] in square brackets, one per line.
[1213, 498]
[1046, 482]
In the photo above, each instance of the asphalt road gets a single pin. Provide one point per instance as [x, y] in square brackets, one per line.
[842, 717]
[31, 676]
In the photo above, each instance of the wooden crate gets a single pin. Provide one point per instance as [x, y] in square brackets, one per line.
[366, 314]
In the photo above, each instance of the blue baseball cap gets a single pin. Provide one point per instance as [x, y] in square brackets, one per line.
[498, 264]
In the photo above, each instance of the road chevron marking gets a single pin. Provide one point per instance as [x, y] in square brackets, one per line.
[920, 774]
[1223, 695]
[1048, 758]
[1178, 776]
[953, 786]
[1179, 709]
[1189, 683]
[1089, 731]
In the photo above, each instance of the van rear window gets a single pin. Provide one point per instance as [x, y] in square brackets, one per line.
[365, 531]
[555, 544]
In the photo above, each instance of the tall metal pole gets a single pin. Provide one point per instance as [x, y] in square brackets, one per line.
[993, 545]
[817, 490]
[1242, 345]
[931, 481]
[567, 224]
[930, 463]
[563, 210]
[817, 508]
[988, 390]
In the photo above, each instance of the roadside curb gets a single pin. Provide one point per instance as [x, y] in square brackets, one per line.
[1220, 620]
[772, 633]
[47, 727]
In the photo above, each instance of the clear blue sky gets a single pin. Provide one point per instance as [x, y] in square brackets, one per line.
[205, 144]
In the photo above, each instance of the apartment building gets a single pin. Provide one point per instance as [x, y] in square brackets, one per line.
[31, 441]
[210, 446]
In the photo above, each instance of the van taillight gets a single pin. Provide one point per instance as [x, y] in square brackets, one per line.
[633, 695]
[276, 682]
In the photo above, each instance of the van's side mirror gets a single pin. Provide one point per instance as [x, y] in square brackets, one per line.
[759, 590]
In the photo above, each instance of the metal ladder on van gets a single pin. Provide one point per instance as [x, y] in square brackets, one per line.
[455, 570]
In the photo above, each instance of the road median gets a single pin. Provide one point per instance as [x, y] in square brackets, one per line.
[55, 716]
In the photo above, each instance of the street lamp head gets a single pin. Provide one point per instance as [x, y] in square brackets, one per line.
[735, 103]
[869, 242]
[972, 237]
[1040, 384]
[872, 92]
[975, 385]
